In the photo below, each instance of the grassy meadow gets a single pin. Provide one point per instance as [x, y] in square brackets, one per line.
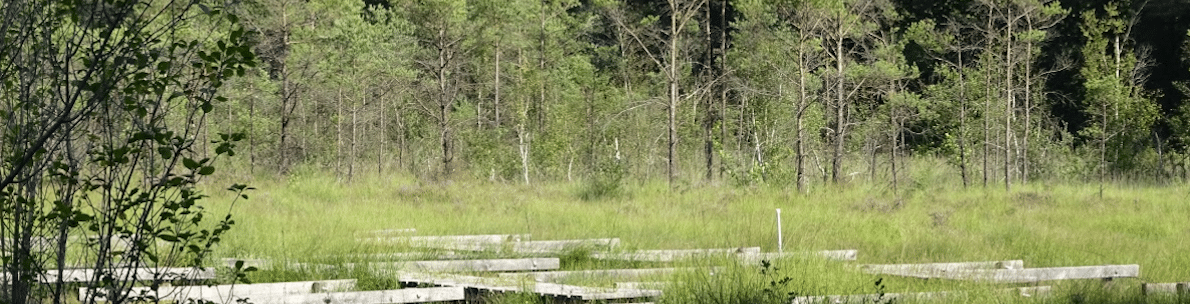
[315, 217]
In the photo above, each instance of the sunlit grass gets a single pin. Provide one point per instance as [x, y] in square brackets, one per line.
[929, 219]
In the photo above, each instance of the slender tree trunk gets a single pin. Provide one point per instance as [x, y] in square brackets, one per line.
[1159, 176]
[523, 147]
[799, 119]
[722, 69]
[67, 201]
[840, 109]
[892, 151]
[592, 133]
[287, 98]
[987, 101]
[873, 147]
[625, 75]
[496, 103]
[742, 125]
[1028, 109]
[354, 141]
[1008, 105]
[252, 135]
[444, 127]
[708, 146]
[444, 105]
[708, 115]
[402, 145]
[673, 92]
[479, 97]
[756, 149]
[383, 149]
[540, 109]
[286, 119]
[1102, 146]
[21, 259]
[962, 122]
[339, 132]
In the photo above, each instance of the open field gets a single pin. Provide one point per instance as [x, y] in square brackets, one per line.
[312, 218]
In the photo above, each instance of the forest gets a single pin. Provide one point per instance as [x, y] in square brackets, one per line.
[117, 114]
[744, 92]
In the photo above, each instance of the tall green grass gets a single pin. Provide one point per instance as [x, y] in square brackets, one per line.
[930, 218]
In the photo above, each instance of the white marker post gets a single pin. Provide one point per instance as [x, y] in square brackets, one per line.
[780, 239]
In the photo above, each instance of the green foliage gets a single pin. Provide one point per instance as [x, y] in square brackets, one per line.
[419, 85]
[1122, 114]
[105, 144]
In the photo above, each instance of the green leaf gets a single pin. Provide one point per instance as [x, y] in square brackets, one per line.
[190, 163]
[166, 152]
[207, 170]
[168, 238]
[139, 136]
[82, 217]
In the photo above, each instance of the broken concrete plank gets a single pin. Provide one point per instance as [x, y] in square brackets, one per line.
[838, 255]
[473, 239]
[928, 270]
[641, 285]
[408, 295]
[134, 274]
[488, 265]
[872, 298]
[672, 255]
[550, 276]
[899, 297]
[472, 282]
[453, 242]
[559, 246]
[493, 265]
[1159, 288]
[390, 232]
[415, 256]
[465, 242]
[517, 243]
[513, 285]
[383, 235]
[230, 293]
[258, 263]
[1180, 288]
[118, 242]
[592, 293]
[1030, 275]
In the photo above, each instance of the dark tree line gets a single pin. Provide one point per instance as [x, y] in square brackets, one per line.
[779, 91]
